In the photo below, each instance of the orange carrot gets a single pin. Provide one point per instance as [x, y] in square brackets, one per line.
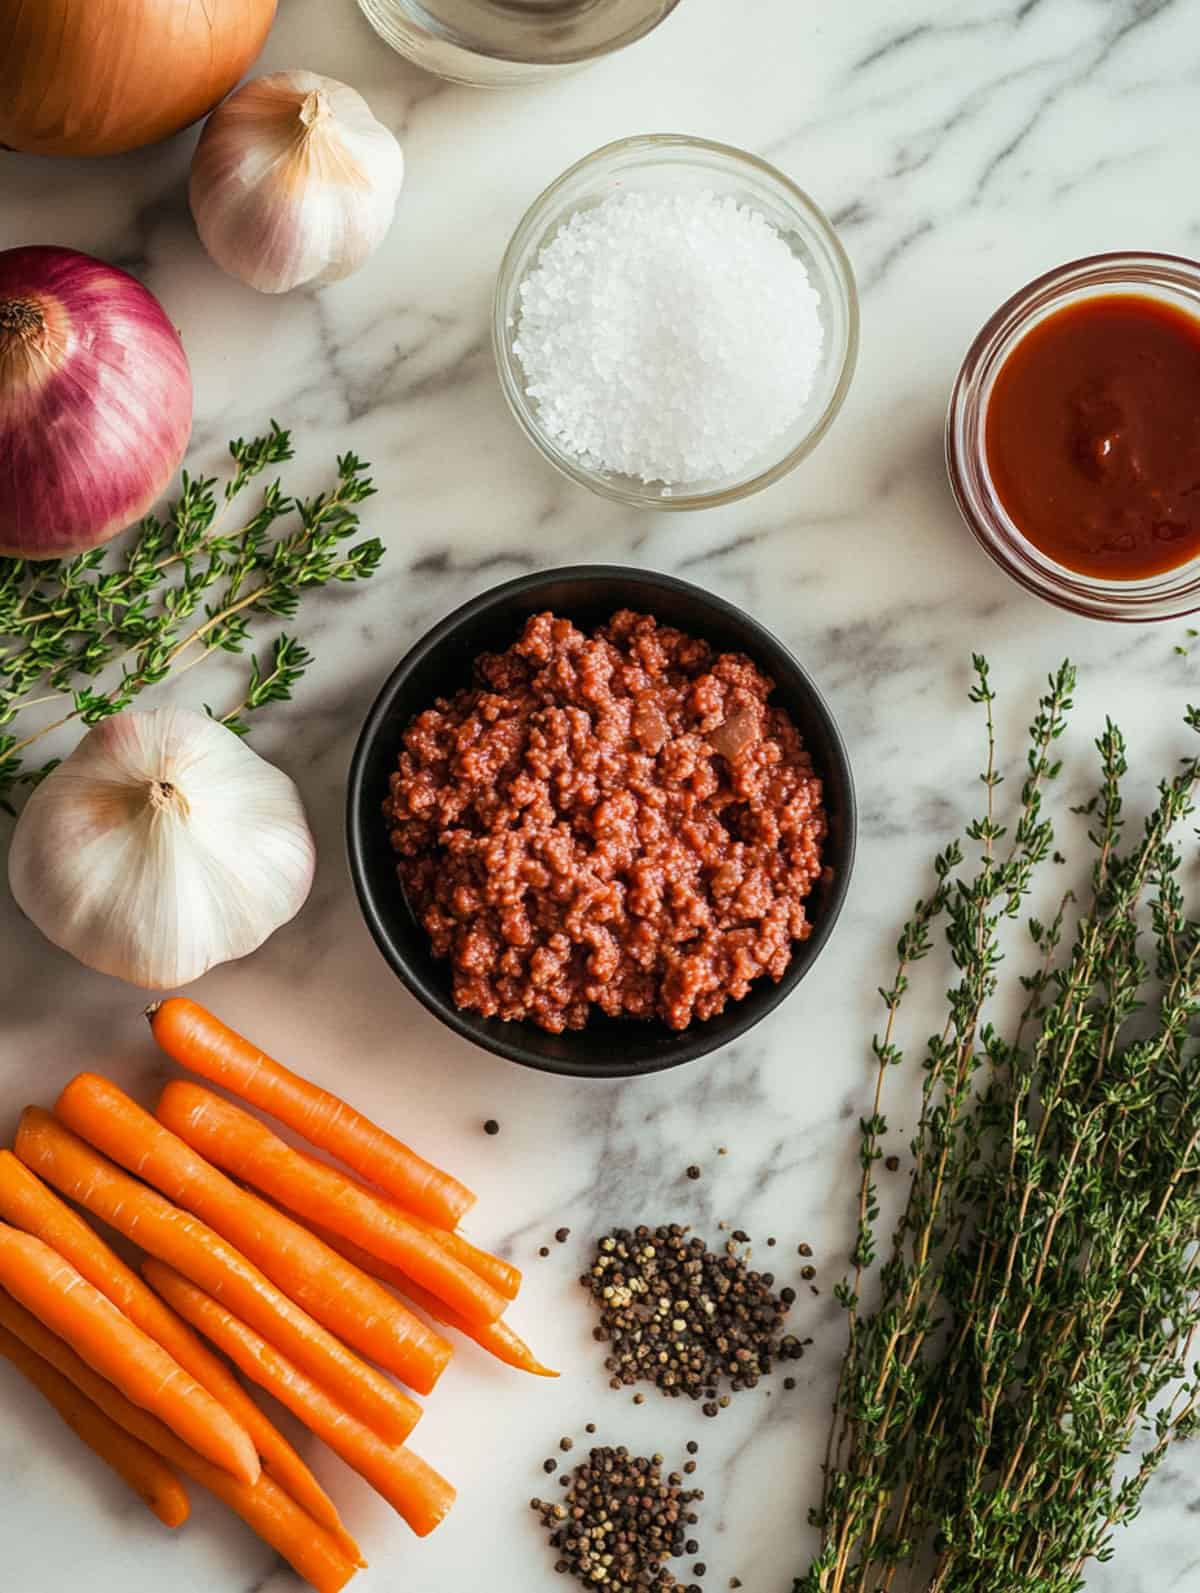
[497, 1338]
[247, 1148]
[411, 1487]
[502, 1275]
[68, 1305]
[340, 1297]
[135, 1463]
[27, 1203]
[206, 1046]
[160, 1228]
[264, 1507]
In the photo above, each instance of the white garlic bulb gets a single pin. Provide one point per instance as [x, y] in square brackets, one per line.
[294, 181]
[162, 846]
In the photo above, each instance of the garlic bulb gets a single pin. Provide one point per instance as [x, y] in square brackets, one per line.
[162, 846]
[294, 181]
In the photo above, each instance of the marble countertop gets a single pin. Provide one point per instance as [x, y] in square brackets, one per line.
[962, 146]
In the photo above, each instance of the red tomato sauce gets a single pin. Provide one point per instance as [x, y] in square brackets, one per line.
[1093, 436]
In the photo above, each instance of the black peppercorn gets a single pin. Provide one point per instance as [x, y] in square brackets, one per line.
[491, 1126]
[693, 1172]
[675, 1314]
[621, 1519]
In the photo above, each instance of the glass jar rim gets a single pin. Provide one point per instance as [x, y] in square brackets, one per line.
[449, 34]
[1172, 594]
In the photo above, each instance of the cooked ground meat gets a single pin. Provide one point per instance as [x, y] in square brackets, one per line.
[617, 820]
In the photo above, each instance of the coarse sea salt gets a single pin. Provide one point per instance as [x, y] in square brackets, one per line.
[671, 337]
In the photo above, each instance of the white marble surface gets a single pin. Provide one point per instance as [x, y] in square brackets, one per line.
[962, 146]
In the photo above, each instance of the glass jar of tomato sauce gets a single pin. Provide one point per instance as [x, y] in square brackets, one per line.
[1073, 437]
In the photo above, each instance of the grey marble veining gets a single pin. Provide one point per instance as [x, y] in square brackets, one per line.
[962, 146]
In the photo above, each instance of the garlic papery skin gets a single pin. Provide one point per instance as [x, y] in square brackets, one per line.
[294, 181]
[162, 846]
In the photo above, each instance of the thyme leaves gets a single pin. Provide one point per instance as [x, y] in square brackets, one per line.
[82, 639]
[1037, 1310]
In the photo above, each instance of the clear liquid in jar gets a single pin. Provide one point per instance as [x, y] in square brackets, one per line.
[497, 42]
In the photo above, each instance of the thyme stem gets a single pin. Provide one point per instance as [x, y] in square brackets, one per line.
[67, 624]
[1039, 1301]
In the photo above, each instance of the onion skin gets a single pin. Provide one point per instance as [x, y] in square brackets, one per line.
[95, 77]
[95, 402]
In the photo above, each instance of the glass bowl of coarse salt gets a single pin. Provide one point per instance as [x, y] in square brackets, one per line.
[675, 323]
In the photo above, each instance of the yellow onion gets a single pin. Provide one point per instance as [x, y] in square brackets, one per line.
[95, 401]
[94, 77]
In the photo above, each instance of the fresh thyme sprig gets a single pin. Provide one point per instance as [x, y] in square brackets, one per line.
[186, 586]
[1040, 1302]
[289, 660]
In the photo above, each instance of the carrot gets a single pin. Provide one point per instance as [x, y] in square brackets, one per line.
[27, 1203]
[502, 1275]
[68, 1305]
[339, 1296]
[160, 1228]
[204, 1045]
[497, 1338]
[135, 1463]
[413, 1489]
[264, 1507]
[247, 1148]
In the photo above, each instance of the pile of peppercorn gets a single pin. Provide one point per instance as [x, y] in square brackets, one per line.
[675, 1314]
[619, 1521]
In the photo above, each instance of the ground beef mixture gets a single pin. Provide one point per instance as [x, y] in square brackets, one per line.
[617, 821]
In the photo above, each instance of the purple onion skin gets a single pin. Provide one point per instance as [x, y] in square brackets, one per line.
[95, 401]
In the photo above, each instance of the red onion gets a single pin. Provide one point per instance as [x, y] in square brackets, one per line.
[95, 401]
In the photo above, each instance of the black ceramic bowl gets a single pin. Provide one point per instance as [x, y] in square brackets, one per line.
[440, 664]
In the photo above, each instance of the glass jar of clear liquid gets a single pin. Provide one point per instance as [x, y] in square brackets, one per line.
[495, 43]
